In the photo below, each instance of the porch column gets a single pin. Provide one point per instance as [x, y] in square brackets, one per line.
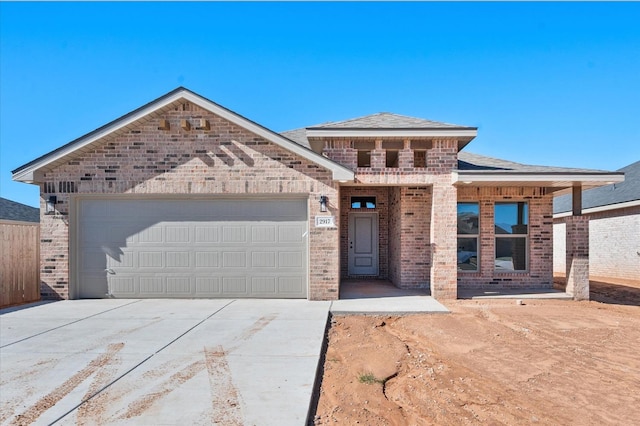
[577, 229]
[444, 268]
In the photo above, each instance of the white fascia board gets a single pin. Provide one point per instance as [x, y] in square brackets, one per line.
[339, 172]
[604, 179]
[401, 133]
[608, 207]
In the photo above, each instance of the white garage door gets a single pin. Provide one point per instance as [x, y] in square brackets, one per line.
[192, 248]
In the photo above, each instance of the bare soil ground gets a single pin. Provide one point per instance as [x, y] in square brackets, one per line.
[490, 361]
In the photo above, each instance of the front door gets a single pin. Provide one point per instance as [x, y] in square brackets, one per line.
[363, 244]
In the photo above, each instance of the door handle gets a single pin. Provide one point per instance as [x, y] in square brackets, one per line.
[110, 271]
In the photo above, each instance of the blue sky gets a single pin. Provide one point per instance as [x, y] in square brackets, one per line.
[546, 83]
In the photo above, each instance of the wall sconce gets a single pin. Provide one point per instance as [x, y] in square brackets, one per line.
[323, 203]
[51, 204]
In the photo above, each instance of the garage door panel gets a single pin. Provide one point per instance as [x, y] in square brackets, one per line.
[263, 234]
[291, 234]
[290, 259]
[207, 234]
[152, 235]
[264, 286]
[263, 260]
[234, 234]
[179, 286]
[207, 259]
[177, 234]
[122, 286]
[234, 285]
[177, 259]
[291, 285]
[125, 259]
[192, 248]
[151, 285]
[150, 259]
[234, 259]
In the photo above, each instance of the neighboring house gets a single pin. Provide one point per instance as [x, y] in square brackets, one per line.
[185, 198]
[10, 210]
[614, 227]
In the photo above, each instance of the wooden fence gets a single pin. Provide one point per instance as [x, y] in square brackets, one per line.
[19, 262]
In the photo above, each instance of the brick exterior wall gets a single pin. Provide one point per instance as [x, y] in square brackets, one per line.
[409, 236]
[577, 257]
[226, 159]
[382, 208]
[540, 267]
[613, 244]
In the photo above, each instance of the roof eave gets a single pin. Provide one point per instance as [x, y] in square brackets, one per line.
[558, 180]
[598, 209]
[463, 132]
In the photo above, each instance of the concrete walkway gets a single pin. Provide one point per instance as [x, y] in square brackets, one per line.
[245, 362]
[542, 293]
[381, 297]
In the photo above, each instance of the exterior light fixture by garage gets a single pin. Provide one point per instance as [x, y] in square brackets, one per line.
[323, 203]
[51, 204]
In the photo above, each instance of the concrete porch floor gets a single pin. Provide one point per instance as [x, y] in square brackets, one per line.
[535, 293]
[380, 297]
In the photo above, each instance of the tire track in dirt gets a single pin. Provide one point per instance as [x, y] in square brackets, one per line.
[224, 395]
[52, 398]
[225, 398]
[92, 412]
[142, 404]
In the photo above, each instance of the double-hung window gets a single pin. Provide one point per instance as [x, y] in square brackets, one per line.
[511, 221]
[468, 221]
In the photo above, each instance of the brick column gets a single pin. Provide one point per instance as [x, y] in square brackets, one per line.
[405, 156]
[441, 160]
[378, 156]
[577, 234]
[444, 268]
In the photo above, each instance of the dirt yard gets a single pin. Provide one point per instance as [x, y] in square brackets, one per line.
[492, 361]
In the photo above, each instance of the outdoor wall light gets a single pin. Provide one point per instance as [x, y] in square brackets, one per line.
[323, 203]
[51, 204]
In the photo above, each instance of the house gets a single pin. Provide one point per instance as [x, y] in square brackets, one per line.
[10, 210]
[614, 228]
[185, 198]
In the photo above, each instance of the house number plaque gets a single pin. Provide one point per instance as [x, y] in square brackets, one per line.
[325, 222]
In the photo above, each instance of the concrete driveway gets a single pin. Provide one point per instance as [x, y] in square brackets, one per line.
[231, 362]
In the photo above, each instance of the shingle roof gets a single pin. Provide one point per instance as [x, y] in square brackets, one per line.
[468, 161]
[299, 136]
[474, 162]
[387, 120]
[622, 192]
[10, 210]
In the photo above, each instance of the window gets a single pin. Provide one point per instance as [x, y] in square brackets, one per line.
[363, 202]
[512, 231]
[468, 229]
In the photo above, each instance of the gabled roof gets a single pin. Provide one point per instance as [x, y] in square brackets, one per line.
[618, 195]
[479, 170]
[387, 120]
[10, 210]
[30, 172]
